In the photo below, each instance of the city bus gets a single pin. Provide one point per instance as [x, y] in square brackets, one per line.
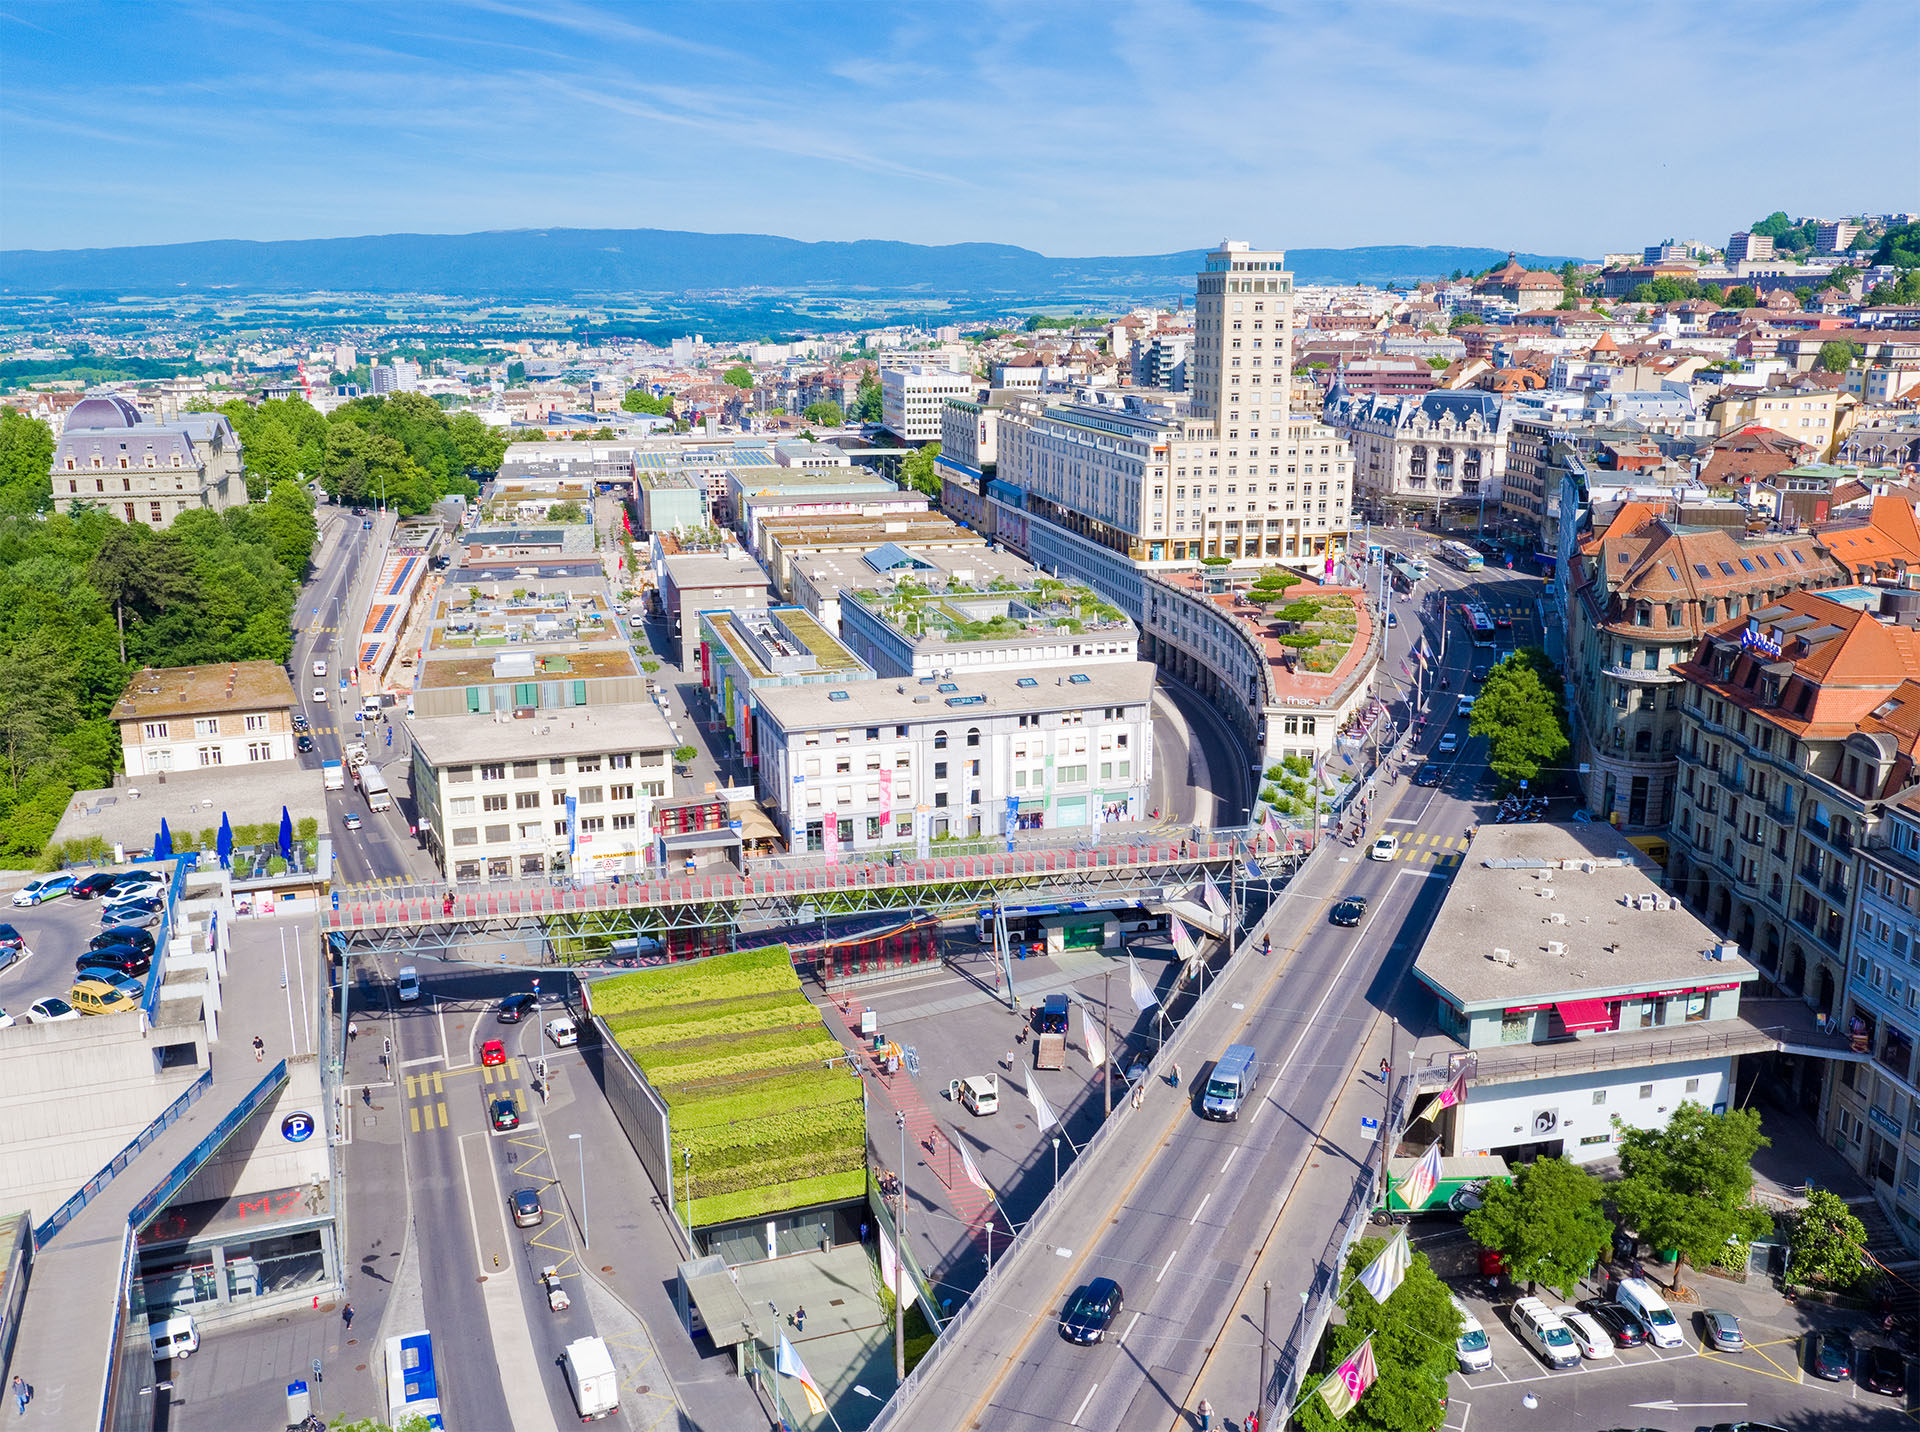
[1482, 626]
[413, 1388]
[1459, 554]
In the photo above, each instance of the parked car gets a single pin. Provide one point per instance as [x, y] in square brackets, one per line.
[6, 1020]
[123, 935]
[1884, 1369]
[1722, 1329]
[133, 915]
[303, 743]
[130, 963]
[1619, 1324]
[502, 1115]
[42, 888]
[1090, 1311]
[98, 883]
[1592, 1340]
[493, 1052]
[526, 1207]
[11, 940]
[516, 1007]
[51, 1010]
[299, 721]
[98, 997]
[1350, 910]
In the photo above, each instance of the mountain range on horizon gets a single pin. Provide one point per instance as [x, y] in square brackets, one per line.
[542, 262]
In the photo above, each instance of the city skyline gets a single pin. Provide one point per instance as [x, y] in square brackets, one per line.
[1075, 132]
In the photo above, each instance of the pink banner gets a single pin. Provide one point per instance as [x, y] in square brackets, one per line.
[886, 804]
[830, 835]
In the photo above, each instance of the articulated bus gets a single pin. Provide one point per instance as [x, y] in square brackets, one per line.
[413, 1387]
[1459, 554]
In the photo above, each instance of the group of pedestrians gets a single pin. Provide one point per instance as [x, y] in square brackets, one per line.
[1249, 1423]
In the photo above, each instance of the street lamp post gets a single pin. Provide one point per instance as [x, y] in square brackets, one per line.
[900, 1263]
[686, 1174]
[1266, 1307]
[580, 1144]
[1056, 1160]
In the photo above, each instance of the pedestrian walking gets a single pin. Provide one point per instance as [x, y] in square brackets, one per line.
[259, 1049]
[1206, 1415]
[863, 1231]
[1176, 1076]
[1251, 1422]
[1386, 1070]
[1139, 1093]
[346, 1315]
[22, 1394]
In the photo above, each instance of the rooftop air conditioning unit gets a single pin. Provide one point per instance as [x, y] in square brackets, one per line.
[1557, 917]
[1502, 955]
[1556, 947]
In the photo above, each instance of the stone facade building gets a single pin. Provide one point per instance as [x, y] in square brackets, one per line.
[109, 457]
[1415, 455]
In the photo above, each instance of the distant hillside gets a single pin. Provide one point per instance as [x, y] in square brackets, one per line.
[659, 261]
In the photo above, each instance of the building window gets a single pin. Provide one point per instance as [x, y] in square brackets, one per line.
[461, 805]
[256, 723]
[259, 751]
[209, 755]
[206, 725]
[493, 803]
[1646, 1091]
[493, 773]
[156, 730]
[527, 800]
[466, 835]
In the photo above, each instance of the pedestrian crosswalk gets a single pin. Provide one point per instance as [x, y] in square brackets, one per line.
[1421, 848]
[426, 1093]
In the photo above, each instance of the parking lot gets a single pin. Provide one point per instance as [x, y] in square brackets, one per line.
[56, 932]
[1672, 1389]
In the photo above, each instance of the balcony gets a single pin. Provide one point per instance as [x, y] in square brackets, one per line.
[1838, 891]
[1754, 838]
[1827, 837]
[1828, 935]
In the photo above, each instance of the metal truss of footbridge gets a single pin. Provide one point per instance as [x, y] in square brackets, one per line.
[723, 899]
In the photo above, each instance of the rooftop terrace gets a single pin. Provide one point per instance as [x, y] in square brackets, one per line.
[943, 609]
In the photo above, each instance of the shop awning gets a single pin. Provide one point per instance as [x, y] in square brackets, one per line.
[1584, 1015]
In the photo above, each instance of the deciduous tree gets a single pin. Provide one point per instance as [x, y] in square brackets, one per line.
[826, 412]
[1547, 1223]
[1689, 1185]
[1413, 1347]
[1827, 1242]
[26, 462]
[1520, 712]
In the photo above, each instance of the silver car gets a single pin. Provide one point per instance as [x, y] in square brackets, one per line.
[1722, 1329]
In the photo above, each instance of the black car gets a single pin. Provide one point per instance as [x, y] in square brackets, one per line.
[303, 743]
[1481, 673]
[1616, 1322]
[1091, 1311]
[1832, 1357]
[1429, 776]
[126, 936]
[98, 883]
[121, 961]
[1884, 1369]
[11, 939]
[502, 1115]
[1503, 623]
[131, 906]
[516, 1007]
[1349, 911]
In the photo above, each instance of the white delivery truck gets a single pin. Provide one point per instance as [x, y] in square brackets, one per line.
[333, 775]
[373, 786]
[590, 1374]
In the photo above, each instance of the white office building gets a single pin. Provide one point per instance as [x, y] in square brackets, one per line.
[911, 399]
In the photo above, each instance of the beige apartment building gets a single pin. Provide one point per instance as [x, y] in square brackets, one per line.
[188, 718]
[1797, 726]
[1810, 414]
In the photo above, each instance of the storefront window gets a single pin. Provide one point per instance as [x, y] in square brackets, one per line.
[1516, 1029]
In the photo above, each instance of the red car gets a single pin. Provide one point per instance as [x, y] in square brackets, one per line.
[493, 1052]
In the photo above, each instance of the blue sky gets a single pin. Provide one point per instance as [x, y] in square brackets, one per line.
[1068, 128]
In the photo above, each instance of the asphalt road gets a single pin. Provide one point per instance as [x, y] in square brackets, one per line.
[1198, 1212]
[328, 623]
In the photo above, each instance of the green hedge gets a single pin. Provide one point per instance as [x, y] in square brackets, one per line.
[797, 1131]
[777, 1198]
[740, 1054]
[745, 972]
[676, 1023]
[760, 1096]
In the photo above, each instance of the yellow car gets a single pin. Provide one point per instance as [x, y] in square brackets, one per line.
[99, 997]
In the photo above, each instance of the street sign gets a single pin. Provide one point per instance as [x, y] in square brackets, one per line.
[1369, 1128]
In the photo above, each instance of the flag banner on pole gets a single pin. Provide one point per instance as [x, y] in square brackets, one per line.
[789, 1365]
[1183, 941]
[1096, 1046]
[892, 1271]
[1143, 998]
[1384, 1273]
[974, 1176]
[1348, 1383]
[1043, 1116]
[1417, 1187]
[1216, 902]
[1454, 1093]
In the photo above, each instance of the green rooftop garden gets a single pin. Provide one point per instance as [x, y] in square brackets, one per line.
[1320, 629]
[755, 1085]
[1001, 611]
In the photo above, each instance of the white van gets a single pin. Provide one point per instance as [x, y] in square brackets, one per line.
[1471, 1347]
[319, 668]
[1639, 1297]
[174, 1337]
[409, 983]
[1540, 1330]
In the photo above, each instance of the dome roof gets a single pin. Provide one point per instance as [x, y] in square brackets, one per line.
[103, 413]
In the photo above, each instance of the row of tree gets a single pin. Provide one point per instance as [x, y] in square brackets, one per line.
[402, 451]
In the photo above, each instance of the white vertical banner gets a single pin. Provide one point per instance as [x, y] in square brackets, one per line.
[892, 1274]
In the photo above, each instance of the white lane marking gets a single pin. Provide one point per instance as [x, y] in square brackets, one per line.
[1130, 1326]
[1083, 1405]
[1197, 1212]
[1394, 820]
[1166, 1265]
[473, 1217]
[424, 1059]
[1230, 1153]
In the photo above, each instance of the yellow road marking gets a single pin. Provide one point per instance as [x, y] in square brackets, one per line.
[413, 1118]
[443, 1113]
